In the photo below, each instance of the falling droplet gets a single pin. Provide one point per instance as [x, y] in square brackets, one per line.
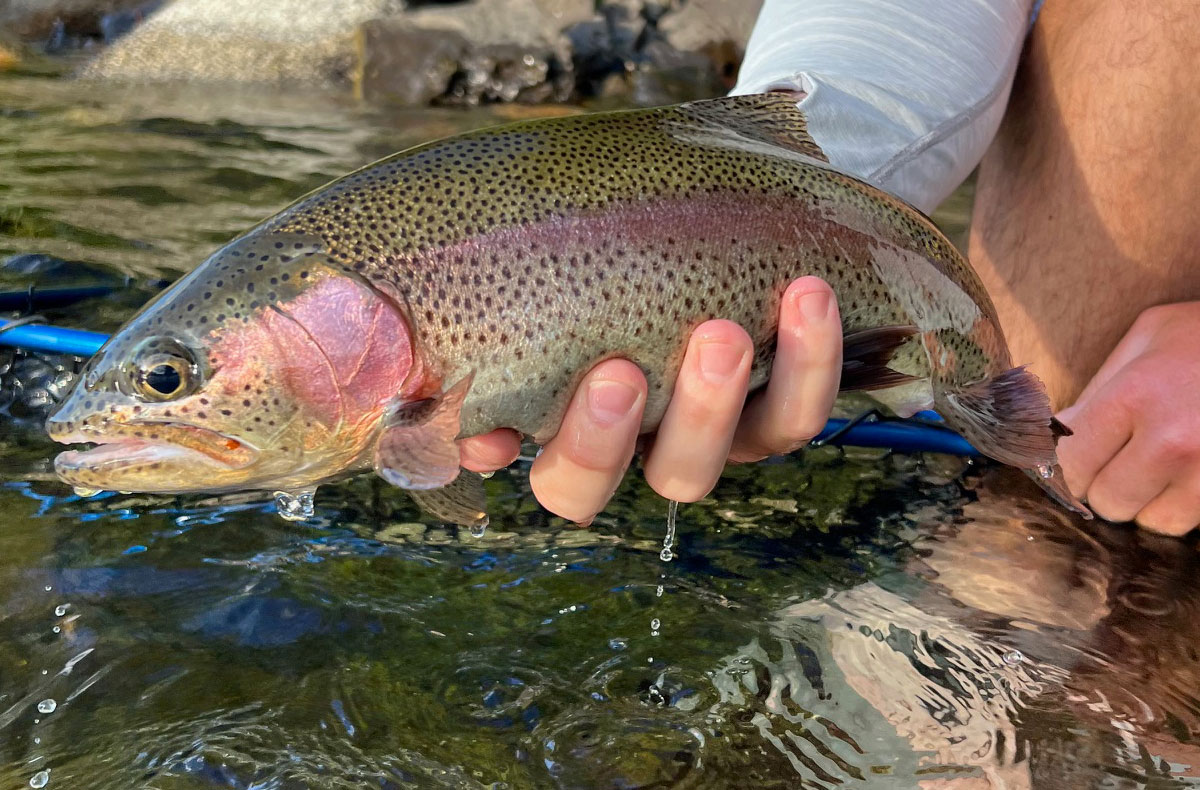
[1013, 657]
[655, 624]
[655, 695]
[666, 555]
[487, 475]
[658, 593]
[81, 491]
[618, 644]
[61, 609]
[47, 706]
[479, 528]
[1046, 471]
[294, 507]
[40, 779]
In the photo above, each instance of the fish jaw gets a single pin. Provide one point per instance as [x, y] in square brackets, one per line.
[153, 457]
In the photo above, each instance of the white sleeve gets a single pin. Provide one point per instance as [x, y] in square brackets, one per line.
[905, 94]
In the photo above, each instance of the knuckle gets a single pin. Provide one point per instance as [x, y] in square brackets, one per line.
[1177, 446]
[1153, 317]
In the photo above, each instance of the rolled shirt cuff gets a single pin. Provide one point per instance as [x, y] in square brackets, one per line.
[904, 94]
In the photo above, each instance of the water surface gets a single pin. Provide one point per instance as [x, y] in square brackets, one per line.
[834, 619]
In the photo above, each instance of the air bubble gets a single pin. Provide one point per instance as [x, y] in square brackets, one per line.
[294, 507]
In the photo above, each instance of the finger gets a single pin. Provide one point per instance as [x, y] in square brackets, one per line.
[1176, 511]
[1130, 481]
[1100, 428]
[804, 376]
[579, 468]
[693, 439]
[1132, 345]
[490, 451]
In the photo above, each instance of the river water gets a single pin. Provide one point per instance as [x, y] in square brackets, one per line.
[834, 619]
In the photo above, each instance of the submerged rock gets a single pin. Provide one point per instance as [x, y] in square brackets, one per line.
[400, 64]
[468, 52]
[44, 20]
[266, 42]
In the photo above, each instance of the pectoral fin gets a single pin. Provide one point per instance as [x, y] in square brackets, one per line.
[462, 502]
[417, 449]
[866, 354]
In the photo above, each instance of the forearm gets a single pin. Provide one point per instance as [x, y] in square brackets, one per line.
[905, 94]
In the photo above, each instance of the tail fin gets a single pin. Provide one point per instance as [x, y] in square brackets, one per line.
[1008, 417]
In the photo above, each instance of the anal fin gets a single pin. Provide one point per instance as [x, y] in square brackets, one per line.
[866, 354]
[462, 502]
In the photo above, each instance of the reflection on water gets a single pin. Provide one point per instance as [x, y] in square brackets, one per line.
[835, 620]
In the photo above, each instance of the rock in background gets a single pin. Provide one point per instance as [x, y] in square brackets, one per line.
[233, 41]
[389, 51]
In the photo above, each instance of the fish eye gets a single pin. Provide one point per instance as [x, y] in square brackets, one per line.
[165, 380]
[163, 370]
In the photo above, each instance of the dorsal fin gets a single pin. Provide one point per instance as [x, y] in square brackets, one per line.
[771, 118]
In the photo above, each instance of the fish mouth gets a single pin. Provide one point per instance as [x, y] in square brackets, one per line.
[143, 443]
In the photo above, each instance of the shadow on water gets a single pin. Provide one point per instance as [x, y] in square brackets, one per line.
[834, 619]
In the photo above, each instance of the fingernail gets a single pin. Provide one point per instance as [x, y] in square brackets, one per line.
[719, 361]
[611, 401]
[815, 306]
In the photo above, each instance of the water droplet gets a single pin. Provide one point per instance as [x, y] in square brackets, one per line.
[40, 779]
[479, 528]
[47, 588]
[1046, 471]
[487, 475]
[658, 593]
[1013, 657]
[666, 555]
[655, 696]
[47, 706]
[61, 609]
[56, 629]
[618, 644]
[295, 507]
[655, 624]
[81, 491]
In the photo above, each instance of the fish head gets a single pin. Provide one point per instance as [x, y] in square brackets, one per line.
[270, 367]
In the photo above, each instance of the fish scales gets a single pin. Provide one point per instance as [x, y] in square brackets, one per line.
[527, 254]
[469, 283]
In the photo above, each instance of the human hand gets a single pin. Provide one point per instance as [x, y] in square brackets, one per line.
[1135, 455]
[707, 422]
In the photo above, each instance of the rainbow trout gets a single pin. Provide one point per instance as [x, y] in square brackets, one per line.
[468, 284]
